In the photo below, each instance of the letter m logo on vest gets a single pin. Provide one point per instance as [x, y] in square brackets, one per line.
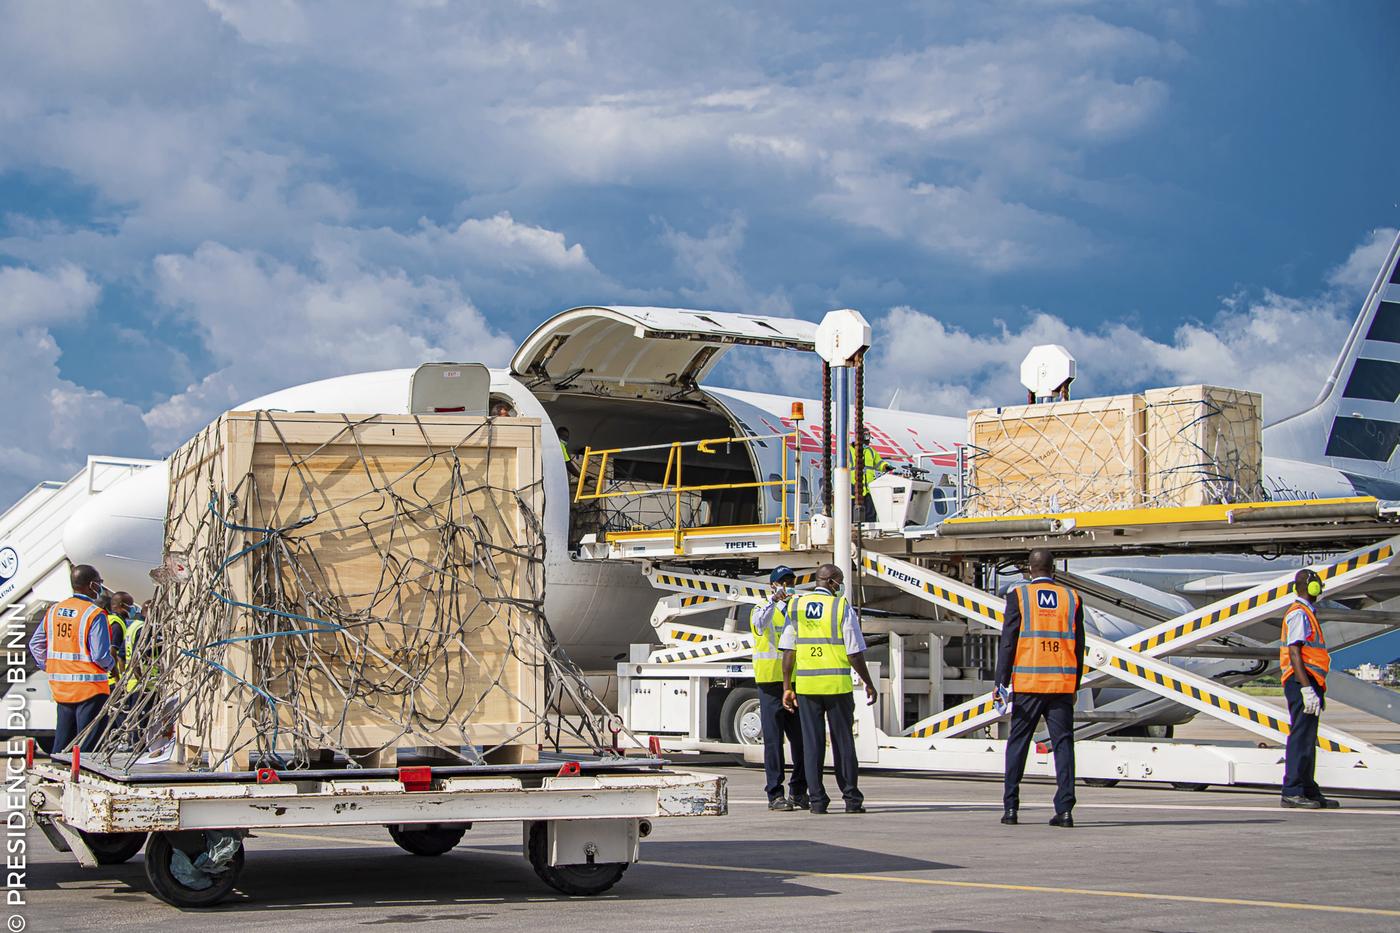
[1047, 599]
[814, 610]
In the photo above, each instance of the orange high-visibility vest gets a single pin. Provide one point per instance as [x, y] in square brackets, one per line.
[73, 675]
[1047, 658]
[1315, 656]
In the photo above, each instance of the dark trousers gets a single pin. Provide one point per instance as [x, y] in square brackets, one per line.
[867, 510]
[73, 718]
[818, 711]
[777, 724]
[1300, 755]
[1027, 709]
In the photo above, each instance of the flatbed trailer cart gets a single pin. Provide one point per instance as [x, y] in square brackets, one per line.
[583, 819]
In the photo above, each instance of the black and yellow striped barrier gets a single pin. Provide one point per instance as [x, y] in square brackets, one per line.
[1255, 600]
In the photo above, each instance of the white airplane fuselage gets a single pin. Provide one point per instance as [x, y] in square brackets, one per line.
[596, 608]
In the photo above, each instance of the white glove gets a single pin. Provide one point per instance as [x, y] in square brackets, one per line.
[1001, 699]
[1312, 703]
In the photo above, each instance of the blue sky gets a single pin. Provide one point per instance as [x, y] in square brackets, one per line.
[202, 202]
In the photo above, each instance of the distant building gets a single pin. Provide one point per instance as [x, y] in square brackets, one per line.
[1371, 673]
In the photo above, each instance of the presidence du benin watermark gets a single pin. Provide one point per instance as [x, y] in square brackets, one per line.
[15, 797]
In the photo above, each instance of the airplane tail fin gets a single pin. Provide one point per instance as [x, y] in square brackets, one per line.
[1354, 426]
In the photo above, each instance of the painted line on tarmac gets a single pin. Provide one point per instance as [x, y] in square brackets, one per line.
[935, 882]
[1040, 889]
[977, 805]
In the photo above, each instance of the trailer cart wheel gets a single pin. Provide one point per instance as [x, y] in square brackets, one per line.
[435, 840]
[575, 880]
[161, 852]
[113, 848]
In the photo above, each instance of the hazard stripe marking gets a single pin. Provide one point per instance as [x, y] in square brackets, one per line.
[1217, 701]
[1248, 603]
[954, 719]
[958, 599]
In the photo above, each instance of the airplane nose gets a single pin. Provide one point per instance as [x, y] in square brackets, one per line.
[121, 531]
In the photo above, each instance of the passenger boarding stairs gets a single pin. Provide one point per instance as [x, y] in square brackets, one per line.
[32, 561]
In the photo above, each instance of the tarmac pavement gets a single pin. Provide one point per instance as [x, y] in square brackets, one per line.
[930, 855]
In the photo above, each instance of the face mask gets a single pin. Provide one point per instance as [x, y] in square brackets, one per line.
[836, 589]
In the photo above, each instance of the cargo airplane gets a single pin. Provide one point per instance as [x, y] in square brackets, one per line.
[621, 377]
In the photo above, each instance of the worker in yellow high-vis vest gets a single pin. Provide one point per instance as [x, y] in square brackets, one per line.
[570, 463]
[1039, 667]
[119, 629]
[821, 643]
[767, 623]
[866, 465]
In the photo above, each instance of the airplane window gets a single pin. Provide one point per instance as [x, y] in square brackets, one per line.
[1363, 439]
[775, 492]
[1374, 379]
[1386, 325]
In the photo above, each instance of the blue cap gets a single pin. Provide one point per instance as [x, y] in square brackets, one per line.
[780, 573]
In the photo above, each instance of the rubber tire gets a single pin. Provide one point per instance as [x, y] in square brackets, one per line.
[1189, 786]
[733, 710]
[573, 880]
[1100, 782]
[438, 841]
[114, 848]
[169, 889]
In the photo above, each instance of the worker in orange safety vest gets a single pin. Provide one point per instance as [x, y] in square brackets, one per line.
[74, 647]
[1039, 667]
[1304, 663]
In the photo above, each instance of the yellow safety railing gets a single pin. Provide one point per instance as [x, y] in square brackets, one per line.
[672, 482]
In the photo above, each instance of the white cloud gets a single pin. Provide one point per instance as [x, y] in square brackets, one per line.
[268, 325]
[1280, 346]
[248, 121]
[712, 262]
[1359, 269]
[31, 298]
[51, 424]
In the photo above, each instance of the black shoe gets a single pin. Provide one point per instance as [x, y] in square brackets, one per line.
[1062, 819]
[818, 808]
[1327, 802]
[858, 808]
[1009, 817]
[801, 802]
[780, 803]
[1300, 803]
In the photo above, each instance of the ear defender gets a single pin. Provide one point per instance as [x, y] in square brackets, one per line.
[1314, 588]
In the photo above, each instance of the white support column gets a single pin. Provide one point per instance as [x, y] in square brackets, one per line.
[841, 337]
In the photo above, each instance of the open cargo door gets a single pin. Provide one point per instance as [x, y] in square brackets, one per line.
[644, 352]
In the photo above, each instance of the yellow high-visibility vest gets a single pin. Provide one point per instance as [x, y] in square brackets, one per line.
[873, 466]
[767, 662]
[823, 667]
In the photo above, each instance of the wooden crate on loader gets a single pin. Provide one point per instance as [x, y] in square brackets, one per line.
[1058, 456]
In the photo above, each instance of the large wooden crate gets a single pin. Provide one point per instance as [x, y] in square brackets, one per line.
[1079, 455]
[1204, 446]
[407, 553]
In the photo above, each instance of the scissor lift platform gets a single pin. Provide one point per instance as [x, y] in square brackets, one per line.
[694, 660]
